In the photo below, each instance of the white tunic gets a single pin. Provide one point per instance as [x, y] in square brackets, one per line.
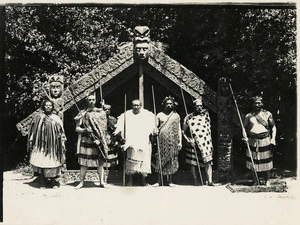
[138, 128]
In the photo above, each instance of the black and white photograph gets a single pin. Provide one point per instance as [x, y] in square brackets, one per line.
[148, 113]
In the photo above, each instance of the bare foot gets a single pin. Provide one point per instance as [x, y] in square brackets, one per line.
[211, 184]
[101, 184]
[80, 185]
[155, 185]
[172, 185]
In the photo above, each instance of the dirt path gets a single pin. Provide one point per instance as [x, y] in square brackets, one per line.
[24, 203]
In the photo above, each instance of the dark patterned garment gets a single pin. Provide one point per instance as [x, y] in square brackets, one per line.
[112, 155]
[201, 131]
[169, 141]
[87, 151]
[47, 153]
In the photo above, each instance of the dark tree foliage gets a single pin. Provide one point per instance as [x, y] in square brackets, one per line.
[255, 47]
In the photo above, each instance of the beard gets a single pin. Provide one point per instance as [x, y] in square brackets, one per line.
[257, 108]
[91, 105]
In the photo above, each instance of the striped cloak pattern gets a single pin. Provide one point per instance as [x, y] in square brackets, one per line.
[87, 151]
[261, 152]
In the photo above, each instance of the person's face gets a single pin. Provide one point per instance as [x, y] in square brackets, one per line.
[198, 106]
[91, 101]
[48, 107]
[107, 111]
[168, 105]
[56, 89]
[136, 107]
[257, 105]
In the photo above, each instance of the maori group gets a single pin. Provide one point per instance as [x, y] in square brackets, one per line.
[140, 135]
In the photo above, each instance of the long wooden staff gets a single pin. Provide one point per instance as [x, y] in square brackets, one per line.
[158, 148]
[244, 133]
[186, 112]
[102, 105]
[101, 96]
[124, 136]
[92, 135]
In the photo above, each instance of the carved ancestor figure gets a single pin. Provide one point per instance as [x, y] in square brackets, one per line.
[56, 87]
[224, 129]
[141, 43]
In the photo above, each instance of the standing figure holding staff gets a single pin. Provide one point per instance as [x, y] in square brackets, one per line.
[112, 156]
[261, 131]
[92, 148]
[197, 133]
[170, 140]
[139, 126]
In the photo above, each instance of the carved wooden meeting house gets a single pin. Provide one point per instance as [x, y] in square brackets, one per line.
[136, 68]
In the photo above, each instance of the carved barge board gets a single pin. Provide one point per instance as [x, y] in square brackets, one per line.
[166, 66]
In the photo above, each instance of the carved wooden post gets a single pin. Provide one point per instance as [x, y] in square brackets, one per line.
[224, 130]
[141, 53]
[56, 88]
[141, 84]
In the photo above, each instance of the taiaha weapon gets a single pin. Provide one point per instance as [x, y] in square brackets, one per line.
[124, 137]
[244, 133]
[158, 148]
[101, 96]
[188, 123]
[85, 126]
[102, 105]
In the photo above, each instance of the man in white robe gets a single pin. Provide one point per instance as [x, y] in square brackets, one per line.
[139, 125]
